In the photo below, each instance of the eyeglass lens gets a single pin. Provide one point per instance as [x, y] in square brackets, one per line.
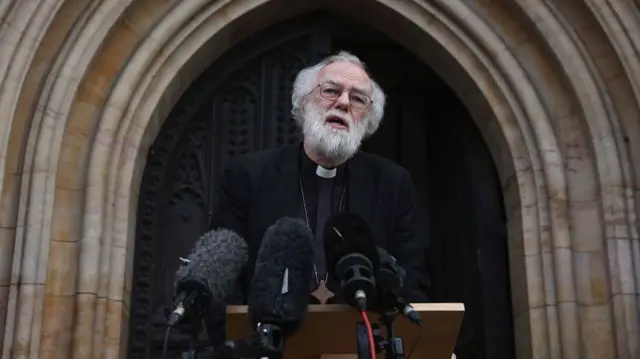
[332, 91]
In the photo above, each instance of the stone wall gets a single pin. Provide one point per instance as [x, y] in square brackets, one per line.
[554, 87]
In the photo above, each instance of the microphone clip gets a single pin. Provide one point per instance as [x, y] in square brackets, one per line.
[392, 302]
[392, 345]
[270, 339]
[267, 342]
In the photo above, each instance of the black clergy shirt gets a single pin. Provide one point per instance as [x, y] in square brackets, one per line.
[312, 183]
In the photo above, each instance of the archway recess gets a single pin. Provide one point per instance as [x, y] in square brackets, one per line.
[553, 87]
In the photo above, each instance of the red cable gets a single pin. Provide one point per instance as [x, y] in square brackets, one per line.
[372, 346]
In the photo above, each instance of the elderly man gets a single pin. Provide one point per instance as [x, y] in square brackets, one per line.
[337, 105]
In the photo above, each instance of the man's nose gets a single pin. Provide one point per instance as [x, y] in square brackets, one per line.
[342, 102]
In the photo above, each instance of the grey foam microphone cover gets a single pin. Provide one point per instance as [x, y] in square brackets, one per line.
[217, 258]
[281, 284]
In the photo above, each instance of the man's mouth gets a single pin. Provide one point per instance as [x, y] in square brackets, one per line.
[337, 122]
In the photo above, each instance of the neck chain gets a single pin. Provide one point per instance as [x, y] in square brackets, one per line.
[306, 215]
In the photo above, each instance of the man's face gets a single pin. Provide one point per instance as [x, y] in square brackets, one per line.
[336, 112]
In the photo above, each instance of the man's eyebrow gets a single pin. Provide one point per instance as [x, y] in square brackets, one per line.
[327, 81]
[358, 89]
[361, 90]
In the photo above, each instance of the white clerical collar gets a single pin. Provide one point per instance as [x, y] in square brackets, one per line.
[325, 172]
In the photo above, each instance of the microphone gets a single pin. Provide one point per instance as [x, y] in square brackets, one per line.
[279, 293]
[390, 280]
[352, 258]
[208, 273]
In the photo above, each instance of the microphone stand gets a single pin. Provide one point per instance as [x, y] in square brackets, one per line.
[266, 343]
[193, 330]
[394, 346]
[391, 345]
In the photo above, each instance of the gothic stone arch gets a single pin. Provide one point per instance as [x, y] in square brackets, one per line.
[553, 87]
[241, 103]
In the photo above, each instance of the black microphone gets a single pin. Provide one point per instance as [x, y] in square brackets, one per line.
[390, 280]
[279, 293]
[209, 273]
[352, 258]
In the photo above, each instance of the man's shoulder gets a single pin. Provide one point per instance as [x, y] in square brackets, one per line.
[257, 156]
[257, 160]
[382, 165]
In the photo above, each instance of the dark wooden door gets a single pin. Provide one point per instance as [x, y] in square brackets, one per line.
[242, 103]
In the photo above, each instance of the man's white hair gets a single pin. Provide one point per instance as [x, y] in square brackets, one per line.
[306, 79]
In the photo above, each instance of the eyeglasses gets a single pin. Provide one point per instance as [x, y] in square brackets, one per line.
[332, 91]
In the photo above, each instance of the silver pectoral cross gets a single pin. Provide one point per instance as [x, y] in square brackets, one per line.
[322, 293]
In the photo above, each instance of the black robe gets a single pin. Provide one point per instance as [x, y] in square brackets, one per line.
[258, 188]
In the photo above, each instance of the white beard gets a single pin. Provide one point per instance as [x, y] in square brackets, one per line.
[336, 145]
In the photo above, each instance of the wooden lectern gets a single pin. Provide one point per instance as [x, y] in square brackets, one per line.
[329, 331]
